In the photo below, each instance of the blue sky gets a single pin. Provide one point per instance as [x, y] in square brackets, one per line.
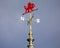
[14, 32]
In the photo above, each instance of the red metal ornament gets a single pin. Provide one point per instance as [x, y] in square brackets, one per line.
[29, 8]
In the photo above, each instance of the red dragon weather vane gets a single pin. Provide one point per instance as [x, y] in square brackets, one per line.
[29, 8]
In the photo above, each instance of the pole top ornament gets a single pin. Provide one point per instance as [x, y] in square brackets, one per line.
[29, 8]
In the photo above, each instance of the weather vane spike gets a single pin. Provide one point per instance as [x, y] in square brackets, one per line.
[28, 9]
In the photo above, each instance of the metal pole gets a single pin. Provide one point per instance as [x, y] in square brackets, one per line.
[30, 39]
